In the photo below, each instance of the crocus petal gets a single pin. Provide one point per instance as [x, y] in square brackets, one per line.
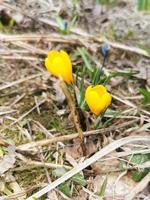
[59, 65]
[97, 98]
[52, 54]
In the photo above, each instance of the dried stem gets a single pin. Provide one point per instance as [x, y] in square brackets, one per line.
[74, 113]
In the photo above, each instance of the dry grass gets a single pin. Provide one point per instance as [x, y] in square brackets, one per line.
[40, 125]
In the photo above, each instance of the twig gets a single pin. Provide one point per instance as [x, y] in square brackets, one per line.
[17, 57]
[100, 154]
[30, 48]
[14, 196]
[27, 146]
[22, 116]
[46, 132]
[47, 37]
[6, 112]
[20, 81]
[127, 102]
[82, 39]
[123, 47]
[30, 164]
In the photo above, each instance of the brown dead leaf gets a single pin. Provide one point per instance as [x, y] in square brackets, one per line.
[105, 166]
[91, 148]
[74, 151]
[81, 196]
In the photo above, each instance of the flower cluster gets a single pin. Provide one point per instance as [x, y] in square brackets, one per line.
[58, 63]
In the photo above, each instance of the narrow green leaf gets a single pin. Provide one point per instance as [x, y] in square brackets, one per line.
[60, 23]
[123, 74]
[81, 94]
[146, 95]
[103, 188]
[11, 24]
[81, 51]
[96, 77]
[143, 5]
[78, 178]
[1, 26]
[146, 48]
[72, 23]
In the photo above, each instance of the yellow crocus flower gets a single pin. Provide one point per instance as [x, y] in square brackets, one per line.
[58, 63]
[97, 98]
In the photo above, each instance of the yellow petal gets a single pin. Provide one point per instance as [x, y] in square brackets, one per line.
[97, 98]
[66, 59]
[59, 64]
[93, 101]
[107, 98]
[52, 54]
[100, 89]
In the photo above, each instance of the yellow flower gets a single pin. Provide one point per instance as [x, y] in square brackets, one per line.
[97, 98]
[59, 65]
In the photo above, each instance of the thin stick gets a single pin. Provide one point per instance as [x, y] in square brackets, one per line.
[20, 81]
[100, 154]
[82, 39]
[27, 146]
[30, 164]
[22, 116]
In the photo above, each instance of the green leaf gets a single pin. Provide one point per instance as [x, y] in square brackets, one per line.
[110, 111]
[129, 35]
[60, 23]
[34, 198]
[72, 23]
[65, 188]
[78, 178]
[107, 2]
[143, 5]
[138, 175]
[1, 26]
[83, 54]
[96, 76]
[146, 95]
[124, 74]
[144, 47]
[11, 24]
[103, 188]
[81, 93]
[139, 158]
[106, 79]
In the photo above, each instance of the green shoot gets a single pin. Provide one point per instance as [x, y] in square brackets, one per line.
[146, 96]
[82, 52]
[143, 5]
[64, 26]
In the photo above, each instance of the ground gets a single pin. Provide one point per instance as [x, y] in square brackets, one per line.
[38, 143]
